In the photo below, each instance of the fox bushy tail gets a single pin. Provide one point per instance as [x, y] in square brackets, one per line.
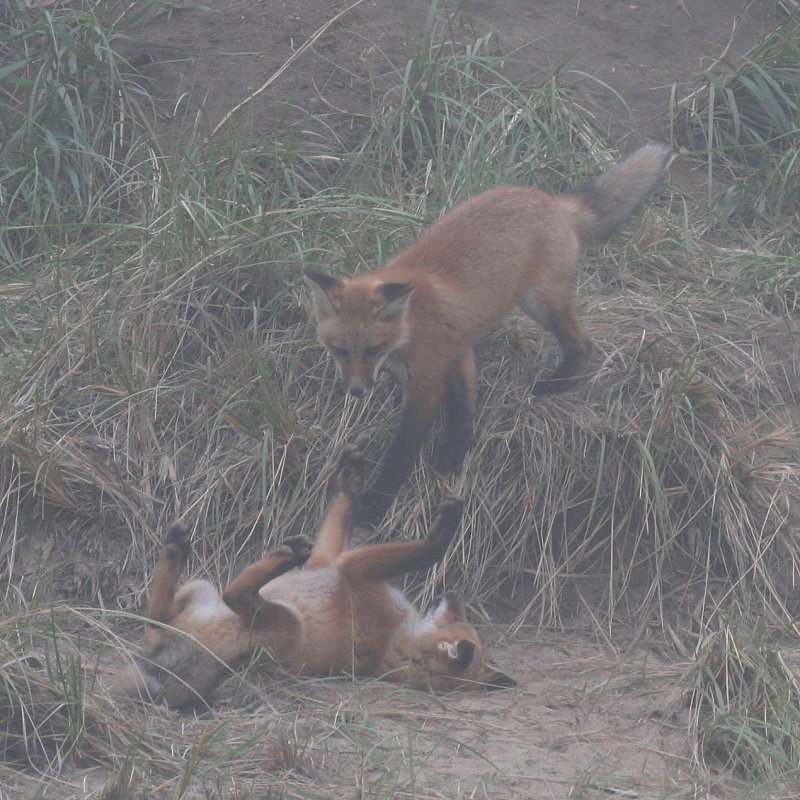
[611, 198]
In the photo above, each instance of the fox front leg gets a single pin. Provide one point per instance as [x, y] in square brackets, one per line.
[385, 561]
[241, 594]
[398, 461]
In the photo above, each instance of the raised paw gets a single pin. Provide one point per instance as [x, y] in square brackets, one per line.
[450, 510]
[300, 546]
[177, 540]
[449, 456]
[350, 471]
[445, 524]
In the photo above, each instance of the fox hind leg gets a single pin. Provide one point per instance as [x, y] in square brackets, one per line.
[444, 527]
[558, 315]
[334, 531]
[350, 473]
[161, 607]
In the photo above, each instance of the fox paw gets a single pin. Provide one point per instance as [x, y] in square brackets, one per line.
[351, 470]
[553, 385]
[567, 375]
[177, 540]
[450, 509]
[448, 457]
[300, 546]
[445, 524]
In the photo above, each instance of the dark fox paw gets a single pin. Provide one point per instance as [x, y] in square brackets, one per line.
[450, 510]
[553, 385]
[445, 524]
[567, 375]
[447, 457]
[177, 540]
[300, 546]
[350, 471]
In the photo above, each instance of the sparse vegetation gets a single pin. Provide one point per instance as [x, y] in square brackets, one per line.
[745, 713]
[746, 119]
[157, 362]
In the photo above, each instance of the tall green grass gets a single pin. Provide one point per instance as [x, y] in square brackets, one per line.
[746, 121]
[454, 124]
[745, 701]
[77, 154]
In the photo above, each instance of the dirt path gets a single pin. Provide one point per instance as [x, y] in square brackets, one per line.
[209, 58]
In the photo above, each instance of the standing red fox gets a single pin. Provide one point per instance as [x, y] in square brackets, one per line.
[338, 615]
[422, 312]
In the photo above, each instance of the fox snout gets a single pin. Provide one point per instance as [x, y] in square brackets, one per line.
[358, 388]
[358, 378]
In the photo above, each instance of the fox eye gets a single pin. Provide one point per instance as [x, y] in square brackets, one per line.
[339, 352]
[372, 350]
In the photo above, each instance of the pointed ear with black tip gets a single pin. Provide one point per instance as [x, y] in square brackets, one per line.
[396, 296]
[320, 286]
[494, 678]
[459, 654]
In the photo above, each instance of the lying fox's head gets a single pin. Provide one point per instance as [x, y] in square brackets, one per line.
[360, 323]
[451, 653]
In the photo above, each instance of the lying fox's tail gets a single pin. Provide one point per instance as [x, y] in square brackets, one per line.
[178, 671]
[617, 194]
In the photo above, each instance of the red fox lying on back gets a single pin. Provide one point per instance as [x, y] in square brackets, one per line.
[422, 312]
[338, 615]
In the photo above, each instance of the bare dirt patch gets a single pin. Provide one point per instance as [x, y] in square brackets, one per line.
[586, 721]
[207, 60]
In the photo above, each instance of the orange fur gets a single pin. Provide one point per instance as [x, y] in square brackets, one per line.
[421, 313]
[338, 615]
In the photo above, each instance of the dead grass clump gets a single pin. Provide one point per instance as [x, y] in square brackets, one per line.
[56, 718]
[673, 466]
[166, 394]
[34, 730]
[50, 714]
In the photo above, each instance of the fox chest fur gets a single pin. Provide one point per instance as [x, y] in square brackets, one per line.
[330, 627]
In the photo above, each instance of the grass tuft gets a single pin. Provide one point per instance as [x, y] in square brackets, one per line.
[745, 701]
[744, 121]
[76, 154]
[454, 123]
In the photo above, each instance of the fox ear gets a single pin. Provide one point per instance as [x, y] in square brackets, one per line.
[494, 678]
[459, 654]
[321, 285]
[451, 608]
[396, 296]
